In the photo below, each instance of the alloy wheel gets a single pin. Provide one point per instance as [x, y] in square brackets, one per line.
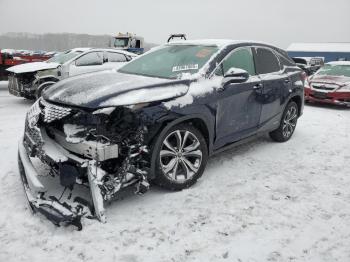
[290, 121]
[180, 155]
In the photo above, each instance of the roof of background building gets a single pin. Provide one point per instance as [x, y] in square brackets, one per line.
[320, 47]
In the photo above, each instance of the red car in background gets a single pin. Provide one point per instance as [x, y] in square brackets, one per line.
[330, 84]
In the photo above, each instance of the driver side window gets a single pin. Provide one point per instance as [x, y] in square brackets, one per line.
[240, 58]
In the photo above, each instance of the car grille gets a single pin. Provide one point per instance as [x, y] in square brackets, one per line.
[13, 83]
[326, 87]
[53, 112]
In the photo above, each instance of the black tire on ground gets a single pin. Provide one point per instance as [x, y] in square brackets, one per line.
[189, 154]
[288, 123]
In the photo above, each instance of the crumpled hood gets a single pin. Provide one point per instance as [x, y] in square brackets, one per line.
[32, 67]
[110, 88]
[338, 80]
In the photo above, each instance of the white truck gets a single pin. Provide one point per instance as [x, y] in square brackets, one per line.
[128, 42]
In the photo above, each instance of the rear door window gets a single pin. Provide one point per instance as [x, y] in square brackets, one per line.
[266, 61]
[116, 57]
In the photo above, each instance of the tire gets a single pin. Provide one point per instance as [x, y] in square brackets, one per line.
[180, 156]
[288, 123]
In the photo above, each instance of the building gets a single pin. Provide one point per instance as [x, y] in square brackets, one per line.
[329, 51]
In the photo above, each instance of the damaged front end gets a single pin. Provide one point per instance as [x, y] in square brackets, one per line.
[22, 85]
[72, 160]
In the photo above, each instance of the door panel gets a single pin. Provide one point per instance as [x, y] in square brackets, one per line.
[238, 111]
[273, 85]
[274, 82]
[238, 106]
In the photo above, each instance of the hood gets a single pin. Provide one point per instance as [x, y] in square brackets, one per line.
[110, 88]
[327, 79]
[32, 67]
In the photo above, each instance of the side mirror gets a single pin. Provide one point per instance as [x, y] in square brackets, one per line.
[235, 75]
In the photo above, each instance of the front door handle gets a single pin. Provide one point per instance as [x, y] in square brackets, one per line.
[258, 86]
[287, 81]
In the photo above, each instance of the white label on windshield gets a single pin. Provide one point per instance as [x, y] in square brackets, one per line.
[185, 67]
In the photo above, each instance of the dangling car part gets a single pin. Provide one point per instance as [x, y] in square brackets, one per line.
[78, 157]
[158, 118]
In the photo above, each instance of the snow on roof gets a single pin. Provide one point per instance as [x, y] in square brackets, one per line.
[81, 49]
[345, 63]
[320, 47]
[116, 51]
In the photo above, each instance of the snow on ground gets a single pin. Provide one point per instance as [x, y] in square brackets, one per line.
[262, 201]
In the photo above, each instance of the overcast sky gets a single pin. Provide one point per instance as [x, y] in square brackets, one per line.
[276, 21]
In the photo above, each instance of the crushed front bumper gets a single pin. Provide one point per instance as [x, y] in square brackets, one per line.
[335, 98]
[14, 87]
[18, 89]
[44, 193]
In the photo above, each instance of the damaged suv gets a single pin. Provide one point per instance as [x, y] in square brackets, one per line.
[158, 118]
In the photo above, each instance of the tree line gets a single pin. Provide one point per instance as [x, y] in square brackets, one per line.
[54, 41]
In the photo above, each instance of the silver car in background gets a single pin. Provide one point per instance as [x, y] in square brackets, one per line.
[29, 80]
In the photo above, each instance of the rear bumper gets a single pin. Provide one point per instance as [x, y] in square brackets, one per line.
[335, 98]
[41, 192]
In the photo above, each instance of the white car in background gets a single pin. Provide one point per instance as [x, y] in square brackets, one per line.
[28, 80]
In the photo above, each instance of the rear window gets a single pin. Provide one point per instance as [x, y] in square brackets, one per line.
[116, 57]
[300, 61]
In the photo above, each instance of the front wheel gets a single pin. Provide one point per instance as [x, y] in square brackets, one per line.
[181, 156]
[288, 123]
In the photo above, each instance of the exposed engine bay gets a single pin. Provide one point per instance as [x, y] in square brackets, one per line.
[82, 149]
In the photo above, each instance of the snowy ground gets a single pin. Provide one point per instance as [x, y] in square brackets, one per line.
[263, 201]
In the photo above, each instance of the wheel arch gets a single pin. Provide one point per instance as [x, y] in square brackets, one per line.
[197, 120]
[299, 101]
[44, 82]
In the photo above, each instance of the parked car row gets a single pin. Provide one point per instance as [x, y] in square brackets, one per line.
[157, 118]
[28, 80]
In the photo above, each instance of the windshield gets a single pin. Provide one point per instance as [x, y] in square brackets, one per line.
[63, 57]
[170, 61]
[335, 70]
[121, 42]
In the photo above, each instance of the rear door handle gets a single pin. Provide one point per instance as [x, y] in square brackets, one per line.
[287, 81]
[258, 86]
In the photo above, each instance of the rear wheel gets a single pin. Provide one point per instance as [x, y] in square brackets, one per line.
[288, 123]
[181, 156]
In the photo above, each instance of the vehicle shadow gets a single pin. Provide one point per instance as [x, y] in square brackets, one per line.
[127, 197]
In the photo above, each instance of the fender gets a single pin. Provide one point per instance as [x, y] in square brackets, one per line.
[45, 81]
[174, 122]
